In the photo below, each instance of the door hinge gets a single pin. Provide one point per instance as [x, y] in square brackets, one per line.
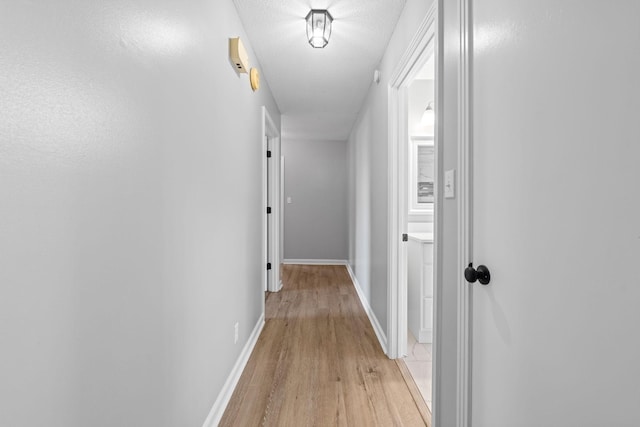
[268, 153]
[268, 266]
[268, 209]
[405, 237]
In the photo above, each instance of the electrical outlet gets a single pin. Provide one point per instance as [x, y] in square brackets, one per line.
[236, 329]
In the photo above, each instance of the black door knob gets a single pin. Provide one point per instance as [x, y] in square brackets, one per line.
[481, 274]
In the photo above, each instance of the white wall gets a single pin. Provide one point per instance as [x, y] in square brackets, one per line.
[421, 92]
[316, 222]
[368, 162]
[129, 161]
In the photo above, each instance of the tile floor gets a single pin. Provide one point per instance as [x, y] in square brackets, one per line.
[418, 361]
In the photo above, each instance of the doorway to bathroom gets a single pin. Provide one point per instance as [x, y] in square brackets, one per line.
[413, 252]
[420, 209]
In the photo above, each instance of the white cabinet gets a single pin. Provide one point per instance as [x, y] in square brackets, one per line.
[420, 286]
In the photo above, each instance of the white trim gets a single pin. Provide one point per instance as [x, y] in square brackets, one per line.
[414, 207]
[281, 214]
[438, 271]
[265, 249]
[279, 288]
[409, 65]
[272, 252]
[315, 262]
[465, 202]
[396, 219]
[382, 339]
[219, 406]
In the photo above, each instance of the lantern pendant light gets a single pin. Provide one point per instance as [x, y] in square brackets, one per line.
[319, 27]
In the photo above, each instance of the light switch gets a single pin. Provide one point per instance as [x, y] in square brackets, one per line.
[450, 184]
[289, 200]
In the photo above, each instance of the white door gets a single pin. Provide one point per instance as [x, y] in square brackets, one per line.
[266, 223]
[272, 262]
[556, 213]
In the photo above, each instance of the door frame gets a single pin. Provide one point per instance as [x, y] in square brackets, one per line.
[270, 192]
[424, 44]
[416, 55]
[460, 101]
[465, 211]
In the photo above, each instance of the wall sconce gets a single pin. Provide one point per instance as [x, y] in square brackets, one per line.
[429, 116]
[319, 27]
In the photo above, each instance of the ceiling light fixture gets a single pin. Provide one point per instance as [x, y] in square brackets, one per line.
[429, 116]
[319, 27]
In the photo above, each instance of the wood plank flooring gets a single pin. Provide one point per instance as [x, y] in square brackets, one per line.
[318, 361]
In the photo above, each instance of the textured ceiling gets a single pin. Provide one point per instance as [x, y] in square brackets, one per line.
[319, 91]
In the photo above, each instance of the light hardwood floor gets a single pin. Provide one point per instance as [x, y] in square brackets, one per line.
[318, 361]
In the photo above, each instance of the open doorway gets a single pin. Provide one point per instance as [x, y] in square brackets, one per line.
[413, 221]
[421, 183]
[271, 203]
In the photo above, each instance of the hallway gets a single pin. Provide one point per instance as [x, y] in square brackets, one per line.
[318, 362]
[151, 188]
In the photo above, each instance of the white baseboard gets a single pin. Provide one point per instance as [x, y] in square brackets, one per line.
[316, 261]
[219, 406]
[382, 336]
[277, 288]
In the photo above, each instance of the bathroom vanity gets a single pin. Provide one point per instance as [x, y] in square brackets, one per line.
[420, 286]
